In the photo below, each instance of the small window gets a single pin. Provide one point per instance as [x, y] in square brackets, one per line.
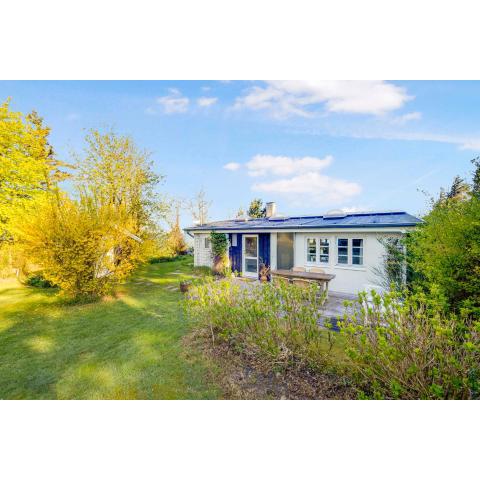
[234, 239]
[342, 245]
[207, 243]
[311, 250]
[324, 250]
[357, 251]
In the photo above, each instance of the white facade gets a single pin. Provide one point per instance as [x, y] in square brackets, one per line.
[349, 278]
[202, 250]
[352, 276]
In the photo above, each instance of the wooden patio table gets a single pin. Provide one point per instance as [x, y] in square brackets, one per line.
[322, 278]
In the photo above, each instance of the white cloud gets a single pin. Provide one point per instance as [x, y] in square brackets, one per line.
[283, 166]
[232, 166]
[174, 102]
[407, 117]
[470, 145]
[312, 186]
[293, 97]
[206, 101]
[304, 183]
[354, 209]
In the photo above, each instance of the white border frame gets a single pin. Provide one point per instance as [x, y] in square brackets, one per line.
[244, 272]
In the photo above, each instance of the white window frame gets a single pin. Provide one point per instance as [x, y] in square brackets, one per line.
[362, 251]
[314, 262]
[207, 243]
[350, 252]
[244, 257]
[318, 246]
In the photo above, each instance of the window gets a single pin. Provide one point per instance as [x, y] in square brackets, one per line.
[342, 245]
[207, 243]
[324, 250]
[350, 251]
[318, 250]
[357, 251]
[234, 239]
[311, 250]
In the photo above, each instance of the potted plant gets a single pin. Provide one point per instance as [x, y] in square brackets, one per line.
[264, 272]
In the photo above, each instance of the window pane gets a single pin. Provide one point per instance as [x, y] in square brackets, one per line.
[234, 239]
[357, 252]
[207, 243]
[324, 250]
[250, 246]
[311, 250]
[357, 242]
[342, 251]
[357, 260]
[250, 265]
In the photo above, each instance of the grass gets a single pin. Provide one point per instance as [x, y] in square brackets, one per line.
[126, 347]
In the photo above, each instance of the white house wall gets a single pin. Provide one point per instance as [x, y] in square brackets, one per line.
[202, 256]
[348, 279]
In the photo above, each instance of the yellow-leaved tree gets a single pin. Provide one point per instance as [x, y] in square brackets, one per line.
[28, 166]
[74, 243]
[28, 169]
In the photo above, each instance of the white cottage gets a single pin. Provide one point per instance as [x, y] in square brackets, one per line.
[346, 245]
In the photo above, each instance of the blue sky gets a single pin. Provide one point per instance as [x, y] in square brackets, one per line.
[309, 146]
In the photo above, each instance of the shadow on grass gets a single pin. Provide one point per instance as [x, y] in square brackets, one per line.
[126, 348]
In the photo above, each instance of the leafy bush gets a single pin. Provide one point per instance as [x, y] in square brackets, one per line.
[163, 259]
[276, 323]
[39, 281]
[445, 252]
[81, 246]
[408, 348]
[219, 243]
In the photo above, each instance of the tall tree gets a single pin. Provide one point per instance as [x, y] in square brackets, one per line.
[28, 166]
[199, 207]
[116, 172]
[257, 209]
[476, 177]
[175, 241]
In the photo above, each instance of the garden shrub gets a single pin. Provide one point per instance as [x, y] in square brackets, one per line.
[39, 281]
[81, 246]
[221, 264]
[445, 252]
[407, 347]
[278, 324]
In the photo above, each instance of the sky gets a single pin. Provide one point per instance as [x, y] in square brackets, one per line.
[310, 146]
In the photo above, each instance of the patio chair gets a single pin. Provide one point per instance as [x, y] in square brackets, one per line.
[299, 269]
[302, 283]
[280, 281]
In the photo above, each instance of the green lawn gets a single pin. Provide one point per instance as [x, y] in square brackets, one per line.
[128, 347]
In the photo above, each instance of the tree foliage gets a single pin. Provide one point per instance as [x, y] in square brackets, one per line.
[120, 174]
[446, 251]
[257, 209]
[28, 166]
[79, 243]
